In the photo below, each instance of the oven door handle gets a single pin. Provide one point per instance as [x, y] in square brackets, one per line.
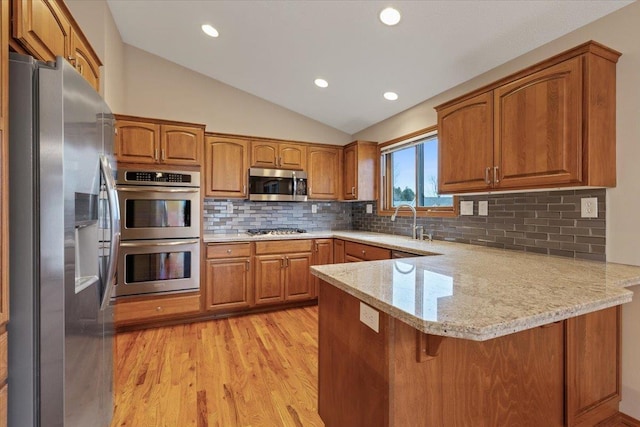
[151, 243]
[114, 215]
[145, 189]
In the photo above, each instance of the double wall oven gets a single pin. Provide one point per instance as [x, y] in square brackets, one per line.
[160, 244]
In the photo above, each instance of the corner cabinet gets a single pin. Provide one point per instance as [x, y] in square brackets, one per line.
[226, 166]
[46, 29]
[359, 178]
[550, 125]
[152, 141]
[324, 173]
[323, 254]
[281, 155]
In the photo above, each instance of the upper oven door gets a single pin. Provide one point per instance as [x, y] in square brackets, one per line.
[159, 212]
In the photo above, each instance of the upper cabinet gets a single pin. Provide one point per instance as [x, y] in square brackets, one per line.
[359, 178]
[281, 155]
[46, 29]
[547, 126]
[226, 166]
[140, 140]
[324, 172]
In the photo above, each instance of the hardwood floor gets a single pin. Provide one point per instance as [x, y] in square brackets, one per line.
[250, 371]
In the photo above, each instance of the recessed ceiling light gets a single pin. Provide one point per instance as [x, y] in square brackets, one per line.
[391, 96]
[321, 83]
[209, 30]
[390, 16]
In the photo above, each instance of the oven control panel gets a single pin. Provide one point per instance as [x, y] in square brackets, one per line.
[163, 178]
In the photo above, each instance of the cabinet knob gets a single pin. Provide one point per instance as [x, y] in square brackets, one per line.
[158, 308]
[228, 251]
[364, 252]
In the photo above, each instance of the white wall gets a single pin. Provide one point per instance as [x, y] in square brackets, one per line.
[620, 31]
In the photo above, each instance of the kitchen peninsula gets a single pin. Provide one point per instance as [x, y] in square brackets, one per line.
[469, 336]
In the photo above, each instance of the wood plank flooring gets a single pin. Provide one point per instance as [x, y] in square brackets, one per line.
[251, 371]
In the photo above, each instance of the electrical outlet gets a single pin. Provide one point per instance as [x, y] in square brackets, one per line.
[589, 207]
[229, 207]
[466, 207]
[483, 208]
[370, 317]
[314, 208]
[369, 208]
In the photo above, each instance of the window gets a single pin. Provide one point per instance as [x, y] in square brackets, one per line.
[409, 167]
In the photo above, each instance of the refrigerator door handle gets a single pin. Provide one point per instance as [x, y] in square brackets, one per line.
[114, 215]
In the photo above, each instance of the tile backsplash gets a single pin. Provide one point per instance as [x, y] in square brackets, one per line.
[546, 222]
[247, 215]
[543, 222]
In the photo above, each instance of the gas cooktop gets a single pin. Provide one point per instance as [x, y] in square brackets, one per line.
[277, 231]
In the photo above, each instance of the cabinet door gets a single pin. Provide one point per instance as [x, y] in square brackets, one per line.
[350, 173]
[228, 284]
[181, 145]
[85, 60]
[538, 128]
[264, 154]
[137, 142]
[42, 28]
[465, 135]
[4, 165]
[226, 167]
[324, 173]
[298, 284]
[269, 279]
[593, 366]
[338, 251]
[323, 253]
[292, 156]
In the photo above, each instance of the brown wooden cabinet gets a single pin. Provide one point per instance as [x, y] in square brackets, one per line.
[338, 251]
[356, 252]
[359, 178]
[324, 172]
[550, 125]
[226, 166]
[282, 271]
[152, 141]
[46, 29]
[155, 309]
[281, 155]
[323, 253]
[228, 277]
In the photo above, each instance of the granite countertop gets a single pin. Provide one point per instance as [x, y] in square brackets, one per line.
[467, 291]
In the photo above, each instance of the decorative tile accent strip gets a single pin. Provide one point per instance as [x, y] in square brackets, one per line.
[246, 215]
[542, 222]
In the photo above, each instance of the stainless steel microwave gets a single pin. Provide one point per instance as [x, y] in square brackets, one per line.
[277, 185]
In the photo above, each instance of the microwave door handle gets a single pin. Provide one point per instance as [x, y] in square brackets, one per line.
[295, 185]
[114, 215]
[150, 189]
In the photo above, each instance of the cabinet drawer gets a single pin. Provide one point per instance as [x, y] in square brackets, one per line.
[228, 250]
[366, 252]
[283, 246]
[160, 307]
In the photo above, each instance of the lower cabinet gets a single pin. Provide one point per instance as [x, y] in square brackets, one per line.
[323, 253]
[356, 252]
[282, 271]
[338, 251]
[156, 309]
[228, 277]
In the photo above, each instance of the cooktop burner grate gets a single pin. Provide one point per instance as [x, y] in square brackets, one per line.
[278, 231]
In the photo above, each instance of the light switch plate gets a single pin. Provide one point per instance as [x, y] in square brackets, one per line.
[483, 208]
[370, 317]
[314, 208]
[589, 207]
[369, 208]
[466, 207]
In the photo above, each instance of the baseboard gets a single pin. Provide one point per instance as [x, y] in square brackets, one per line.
[628, 421]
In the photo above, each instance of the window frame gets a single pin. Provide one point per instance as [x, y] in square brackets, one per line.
[385, 193]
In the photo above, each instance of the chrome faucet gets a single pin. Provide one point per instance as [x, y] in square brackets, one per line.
[415, 234]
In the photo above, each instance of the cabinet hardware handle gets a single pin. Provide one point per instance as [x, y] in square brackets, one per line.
[79, 68]
[158, 308]
[496, 174]
[281, 262]
[286, 262]
[115, 130]
[155, 154]
[364, 252]
[279, 161]
[486, 175]
[244, 189]
[228, 251]
[353, 191]
[163, 156]
[316, 247]
[248, 265]
[71, 59]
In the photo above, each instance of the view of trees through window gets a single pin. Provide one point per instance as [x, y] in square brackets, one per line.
[415, 175]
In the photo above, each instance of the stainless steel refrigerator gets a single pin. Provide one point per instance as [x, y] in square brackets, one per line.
[64, 236]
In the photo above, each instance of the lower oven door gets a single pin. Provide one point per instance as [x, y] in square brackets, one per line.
[158, 266]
